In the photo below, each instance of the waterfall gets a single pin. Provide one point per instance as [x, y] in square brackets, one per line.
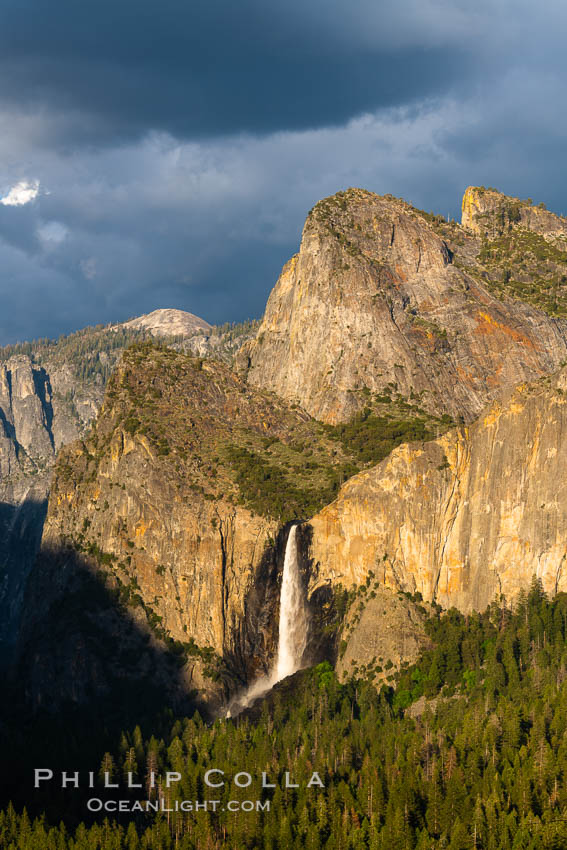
[292, 639]
[293, 614]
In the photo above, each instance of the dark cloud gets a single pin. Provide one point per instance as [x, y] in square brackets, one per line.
[179, 145]
[204, 68]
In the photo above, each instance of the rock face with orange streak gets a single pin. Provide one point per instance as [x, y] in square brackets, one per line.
[464, 518]
[382, 297]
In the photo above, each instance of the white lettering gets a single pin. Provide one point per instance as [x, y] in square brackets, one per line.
[107, 782]
[214, 784]
[41, 775]
[71, 779]
[133, 784]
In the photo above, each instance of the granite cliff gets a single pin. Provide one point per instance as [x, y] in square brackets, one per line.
[384, 298]
[463, 519]
[51, 390]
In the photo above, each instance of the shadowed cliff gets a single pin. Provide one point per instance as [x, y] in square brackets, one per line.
[88, 667]
[21, 527]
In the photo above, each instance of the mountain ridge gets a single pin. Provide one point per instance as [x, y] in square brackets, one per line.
[200, 481]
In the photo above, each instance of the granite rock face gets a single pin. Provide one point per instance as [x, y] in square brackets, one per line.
[37, 418]
[382, 296]
[27, 450]
[382, 626]
[27, 414]
[463, 519]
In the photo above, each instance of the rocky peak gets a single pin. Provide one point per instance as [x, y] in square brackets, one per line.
[25, 406]
[385, 299]
[382, 229]
[490, 213]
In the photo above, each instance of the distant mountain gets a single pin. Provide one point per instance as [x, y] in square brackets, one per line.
[168, 323]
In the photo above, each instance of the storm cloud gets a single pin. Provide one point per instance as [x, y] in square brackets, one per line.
[156, 155]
